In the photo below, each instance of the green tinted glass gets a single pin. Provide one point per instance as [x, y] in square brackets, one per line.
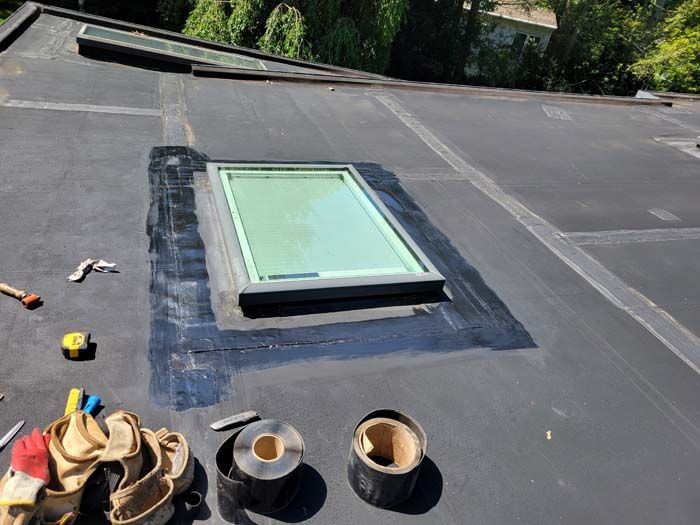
[311, 223]
[197, 54]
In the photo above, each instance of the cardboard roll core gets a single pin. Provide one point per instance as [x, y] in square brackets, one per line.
[387, 449]
[389, 444]
[268, 447]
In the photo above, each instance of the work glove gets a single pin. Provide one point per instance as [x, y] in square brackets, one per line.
[31, 456]
[29, 471]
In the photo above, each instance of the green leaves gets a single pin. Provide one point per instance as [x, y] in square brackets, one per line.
[674, 62]
[342, 46]
[350, 33]
[595, 44]
[285, 33]
[246, 21]
[171, 13]
[208, 20]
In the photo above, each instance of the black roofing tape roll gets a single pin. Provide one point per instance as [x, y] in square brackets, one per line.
[387, 450]
[259, 468]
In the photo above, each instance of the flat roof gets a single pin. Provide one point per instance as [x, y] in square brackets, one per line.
[568, 308]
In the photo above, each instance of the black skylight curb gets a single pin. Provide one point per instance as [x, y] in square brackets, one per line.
[179, 37]
[17, 23]
[247, 74]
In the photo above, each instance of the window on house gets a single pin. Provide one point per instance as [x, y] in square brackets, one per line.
[534, 40]
[518, 43]
[300, 232]
[521, 40]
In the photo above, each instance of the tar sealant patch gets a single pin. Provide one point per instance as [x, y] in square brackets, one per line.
[194, 360]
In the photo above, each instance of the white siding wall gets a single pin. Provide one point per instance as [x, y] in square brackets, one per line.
[505, 31]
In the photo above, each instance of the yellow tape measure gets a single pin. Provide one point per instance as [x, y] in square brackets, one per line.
[75, 344]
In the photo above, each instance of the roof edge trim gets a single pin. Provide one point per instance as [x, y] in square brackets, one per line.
[17, 23]
[311, 78]
[676, 95]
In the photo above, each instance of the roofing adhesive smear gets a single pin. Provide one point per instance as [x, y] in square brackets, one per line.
[194, 357]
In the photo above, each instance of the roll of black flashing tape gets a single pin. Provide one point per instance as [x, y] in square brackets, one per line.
[387, 450]
[259, 468]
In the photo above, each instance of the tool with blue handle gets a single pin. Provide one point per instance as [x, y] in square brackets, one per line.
[92, 405]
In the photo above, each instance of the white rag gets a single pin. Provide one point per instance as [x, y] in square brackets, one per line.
[84, 268]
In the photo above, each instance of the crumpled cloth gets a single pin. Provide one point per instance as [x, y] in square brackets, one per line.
[84, 268]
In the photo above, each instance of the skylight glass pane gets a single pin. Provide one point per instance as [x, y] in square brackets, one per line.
[297, 224]
[195, 53]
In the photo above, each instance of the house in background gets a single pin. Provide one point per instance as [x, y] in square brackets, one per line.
[516, 26]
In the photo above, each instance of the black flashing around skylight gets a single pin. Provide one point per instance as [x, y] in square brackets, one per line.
[154, 48]
[307, 269]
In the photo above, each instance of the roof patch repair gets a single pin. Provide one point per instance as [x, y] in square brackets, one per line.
[191, 332]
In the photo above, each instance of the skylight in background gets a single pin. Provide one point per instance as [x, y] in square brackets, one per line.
[133, 42]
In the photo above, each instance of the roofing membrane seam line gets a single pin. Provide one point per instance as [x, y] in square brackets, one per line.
[657, 321]
[176, 128]
[671, 94]
[90, 108]
[672, 120]
[686, 145]
[673, 110]
[632, 236]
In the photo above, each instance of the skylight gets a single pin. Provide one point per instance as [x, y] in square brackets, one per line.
[152, 47]
[301, 232]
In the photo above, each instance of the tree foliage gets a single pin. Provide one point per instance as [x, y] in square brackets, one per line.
[674, 61]
[208, 20]
[595, 45]
[427, 45]
[352, 33]
[245, 22]
[285, 33]
[172, 13]
[342, 46]
[495, 65]
[379, 22]
[600, 46]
